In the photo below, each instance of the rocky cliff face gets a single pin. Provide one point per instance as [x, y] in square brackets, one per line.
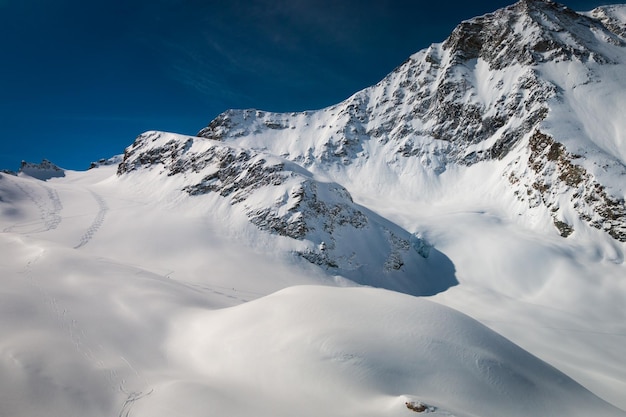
[531, 32]
[517, 85]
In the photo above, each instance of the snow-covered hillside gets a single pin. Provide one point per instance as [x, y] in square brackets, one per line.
[118, 301]
[472, 201]
[311, 218]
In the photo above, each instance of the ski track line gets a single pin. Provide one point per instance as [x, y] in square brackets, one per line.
[228, 293]
[132, 396]
[97, 221]
[49, 211]
[52, 216]
[231, 293]
[131, 399]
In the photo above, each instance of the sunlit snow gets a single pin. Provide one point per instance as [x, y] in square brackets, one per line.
[125, 295]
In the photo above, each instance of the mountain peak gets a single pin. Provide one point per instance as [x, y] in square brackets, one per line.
[531, 32]
[42, 171]
[538, 4]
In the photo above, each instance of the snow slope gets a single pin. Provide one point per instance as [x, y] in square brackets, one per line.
[206, 275]
[138, 306]
[304, 214]
[309, 352]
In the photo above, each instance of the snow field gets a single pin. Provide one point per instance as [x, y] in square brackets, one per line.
[155, 315]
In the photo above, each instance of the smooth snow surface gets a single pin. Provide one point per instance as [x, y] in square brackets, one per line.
[112, 304]
[363, 352]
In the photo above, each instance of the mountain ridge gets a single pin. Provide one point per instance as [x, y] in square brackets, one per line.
[467, 101]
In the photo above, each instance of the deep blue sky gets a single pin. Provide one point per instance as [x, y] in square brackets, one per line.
[80, 79]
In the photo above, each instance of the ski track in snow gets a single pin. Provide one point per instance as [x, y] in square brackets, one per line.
[49, 211]
[132, 396]
[236, 294]
[230, 293]
[131, 399]
[97, 221]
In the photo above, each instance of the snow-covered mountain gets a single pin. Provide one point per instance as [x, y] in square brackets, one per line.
[280, 197]
[535, 85]
[477, 191]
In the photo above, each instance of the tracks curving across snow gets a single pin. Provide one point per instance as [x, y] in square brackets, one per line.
[51, 215]
[97, 221]
[49, 208]
[131, 399]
